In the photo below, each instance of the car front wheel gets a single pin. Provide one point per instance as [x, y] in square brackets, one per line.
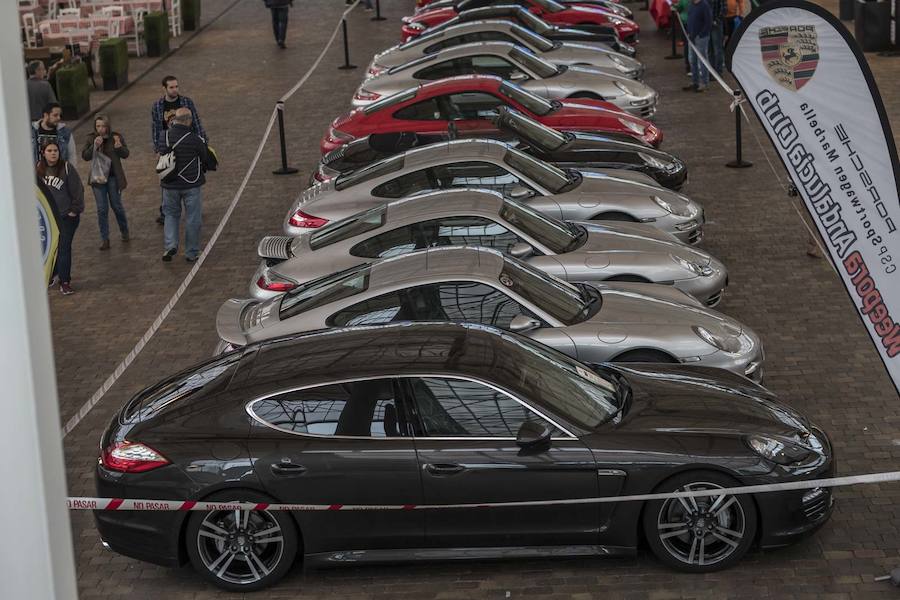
[241, 550]
[701, 533]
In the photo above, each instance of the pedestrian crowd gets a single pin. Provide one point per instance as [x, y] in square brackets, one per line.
[708, 24]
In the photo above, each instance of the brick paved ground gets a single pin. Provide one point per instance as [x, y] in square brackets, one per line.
[819, 358]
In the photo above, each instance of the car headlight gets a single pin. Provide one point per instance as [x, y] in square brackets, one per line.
[695, 268]
[638, 129]
[731, 345]
[655, 162]
[616, 59]
[778, 450]
[622, 87]
[681, 210]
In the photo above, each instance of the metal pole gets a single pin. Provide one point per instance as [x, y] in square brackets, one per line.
[738, 162]
[285, 169]
[674, 29]
[346, 64]
[37, 559]
[378, 16]
[646, 5]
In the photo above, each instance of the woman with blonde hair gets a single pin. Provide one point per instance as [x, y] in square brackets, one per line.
[67, 193]
[107, 177]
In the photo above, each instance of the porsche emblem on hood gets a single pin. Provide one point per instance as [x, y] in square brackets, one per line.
[790, 54]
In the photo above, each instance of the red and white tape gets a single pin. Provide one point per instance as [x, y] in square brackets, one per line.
[87, 503]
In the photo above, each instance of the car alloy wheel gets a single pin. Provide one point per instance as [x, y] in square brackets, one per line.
[242, 550]
[701, 533]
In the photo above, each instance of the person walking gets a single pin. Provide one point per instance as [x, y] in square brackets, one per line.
[698, 28]
[108, 193]
[40, 92]
[183, 186]
[681, 8]
[734, 12]
[162, 113]
[49, 128]
[67, 193]
[719, 9]
[279, 10]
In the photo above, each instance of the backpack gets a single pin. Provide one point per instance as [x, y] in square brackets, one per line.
[166, 163]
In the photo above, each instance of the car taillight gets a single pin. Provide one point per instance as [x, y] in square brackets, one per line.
[339, 135]
[301, 219]
[273, 283]
[132, 457]
[366, 95]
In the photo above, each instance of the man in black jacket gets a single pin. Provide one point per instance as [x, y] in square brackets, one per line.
[183, 185]
[279, 10]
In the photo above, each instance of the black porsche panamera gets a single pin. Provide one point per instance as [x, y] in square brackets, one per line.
[440, 413]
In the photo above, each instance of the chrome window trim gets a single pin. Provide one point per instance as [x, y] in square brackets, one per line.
[248, 408]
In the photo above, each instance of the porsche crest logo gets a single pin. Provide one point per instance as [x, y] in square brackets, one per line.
[790, 53]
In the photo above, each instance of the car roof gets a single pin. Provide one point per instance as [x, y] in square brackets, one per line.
[470, 148]
[459, 83]
[432, 204]
[467, 263]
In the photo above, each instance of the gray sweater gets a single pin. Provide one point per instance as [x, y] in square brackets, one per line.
[40, 94]
[67, 191]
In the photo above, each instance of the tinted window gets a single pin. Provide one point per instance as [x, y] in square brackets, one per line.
[347, 228]
[477, 174]
[402, 240]
[426, 110]
[391, 100]
[489, 64]
[453, 231]
[458, 408]
[472, 105]
[464, 301]
[388, 165]
[356, 409]
[324, 290]
[382, 309]
[447, 68]
[560, 299]
[405, 185]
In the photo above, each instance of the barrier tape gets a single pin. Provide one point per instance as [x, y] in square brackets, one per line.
[88, 503]
[98, 395]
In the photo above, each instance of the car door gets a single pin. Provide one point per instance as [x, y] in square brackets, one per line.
[341, 443]
[466, 447]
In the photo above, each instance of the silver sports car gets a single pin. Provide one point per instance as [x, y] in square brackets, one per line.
[594, 323]
[518, 64]
[598, 251]
[500, 30]
[568, 194]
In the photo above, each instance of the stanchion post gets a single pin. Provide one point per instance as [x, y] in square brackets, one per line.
[646, 5]
[673, 17]
[378, 16]
[738, 162]
[285, 169]
[346, 64]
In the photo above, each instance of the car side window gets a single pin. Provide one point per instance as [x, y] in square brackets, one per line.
[375, 311]
[410, 183]
[460, 408]
[476, 174]
[468, 231]
[353, 409]
[446, 68]
[402, 240]
[473, 105]
[463, 301]
[488, 64]
[426, 110]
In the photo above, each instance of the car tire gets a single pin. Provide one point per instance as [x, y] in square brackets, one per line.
[728, 526]
[256, 564]
[588, 95]
[645, 356]
[613, 216]
[628, 278]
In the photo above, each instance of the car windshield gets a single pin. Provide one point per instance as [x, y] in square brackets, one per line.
[382, 167]
[569, 387]
[544, 174]
[391, 100]
[536, 65]
[531, 131]
[560, 299]
[330, 288]
[554, 234]
[531, 102]
[538, 41]
[347, 228]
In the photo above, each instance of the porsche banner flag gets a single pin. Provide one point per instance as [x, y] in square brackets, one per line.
[48, 230]
[808, 82]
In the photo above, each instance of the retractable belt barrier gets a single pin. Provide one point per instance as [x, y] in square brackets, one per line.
[88, 503]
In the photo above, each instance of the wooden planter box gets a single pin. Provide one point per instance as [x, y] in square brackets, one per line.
[156, 33]
[190, 15]
[114, 63]
[72, 88]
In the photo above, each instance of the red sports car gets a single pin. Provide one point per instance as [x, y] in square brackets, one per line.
[468, 102]
[550, 10]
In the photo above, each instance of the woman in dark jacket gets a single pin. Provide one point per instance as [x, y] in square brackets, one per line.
[67, 193]
[108, 194]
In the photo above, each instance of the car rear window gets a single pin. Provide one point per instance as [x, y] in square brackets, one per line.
[382, 167]
[324, 290]
[348, 228]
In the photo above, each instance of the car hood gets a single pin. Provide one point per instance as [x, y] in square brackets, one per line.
[690, 399]
[603, 240]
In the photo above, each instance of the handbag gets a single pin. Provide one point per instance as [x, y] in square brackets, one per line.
[166, 163]
[100, 167]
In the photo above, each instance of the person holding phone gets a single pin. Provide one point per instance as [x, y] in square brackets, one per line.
[108, 194]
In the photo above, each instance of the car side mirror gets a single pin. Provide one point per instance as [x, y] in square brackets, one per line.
[518, 76]
[533, 435]
[521, 324]
[520, 250]
[519, 192]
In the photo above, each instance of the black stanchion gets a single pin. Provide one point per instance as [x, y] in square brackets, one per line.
[646, 5]
[738, 162]
[285, 169]
[674, 31]
[378, 16]
[346, 64]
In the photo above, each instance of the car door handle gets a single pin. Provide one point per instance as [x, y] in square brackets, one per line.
[444, 468]
[286, 468]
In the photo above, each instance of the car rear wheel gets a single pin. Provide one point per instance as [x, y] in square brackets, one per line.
[648, 356]
[703, 533]
[589, 95]
[241, 551]
[613, 216]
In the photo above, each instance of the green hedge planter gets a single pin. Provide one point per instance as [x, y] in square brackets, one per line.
[114, 63]
[156, 33]
[72, 88]
[190, 15]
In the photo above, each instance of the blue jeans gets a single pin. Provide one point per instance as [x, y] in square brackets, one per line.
[108, 196]
[193, 206]
[717, 47]
[699, 74]
[63, 267]
[280, 23]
